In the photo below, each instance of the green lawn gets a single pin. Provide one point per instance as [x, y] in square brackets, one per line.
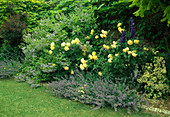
[19, 100]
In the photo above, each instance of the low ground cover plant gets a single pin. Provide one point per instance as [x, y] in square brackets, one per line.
[100, 93]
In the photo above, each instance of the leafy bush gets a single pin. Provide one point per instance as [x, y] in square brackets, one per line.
[99, 93]
[35, 9]
[38, 60]
[112, 12]
[11, 31]
[154, 78]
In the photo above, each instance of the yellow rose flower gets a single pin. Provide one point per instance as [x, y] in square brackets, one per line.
[53, 64]
[85, 65]
[92, 31]
[109, 60]
[88, 37]
[77, 41]
[107, 47]
[52, 47]
[136, 41]
[134, 54]
[50, 51]
[83, 61]
[129, 52]
[84, 54]
[68, 44]
[72, 72]
[66, 48]
[104, 46]
[52, 44]
[96, 37]
[119, 24]
[145, 49]
[109, 56]
[102, 35]
[124, 50]
[63, 44]
[113, 45]
[95, 57]
[115, 42]
[82, 67]
[116, 55]
[127, 48]
[66, 68]
[104, 32]
[93, 53]
[90, 56]
[130, 42]
[100, 73]
[120, 29]
[73, 42]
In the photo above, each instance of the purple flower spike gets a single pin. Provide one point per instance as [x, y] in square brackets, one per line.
[122, 40]
[132, 28]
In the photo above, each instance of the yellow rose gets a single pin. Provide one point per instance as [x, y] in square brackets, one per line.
[115, 42]
[109, 56]
[136, 41]
[92, 31]
[66, 48]
[50, 51]
[127, 49]
[90, 56]
[124, 50]
[68, 44]
[52, 44]
[95, 57]
[145, 48]
[134, 54]
[109, 60]
[77, 41]
[120, 29]
[101, 35]
[66, 68]
[104, 32]
[96, 37]
[119, 24]
[113, 45]
[130, 42]
[116, 55]
[85, 65]
[72, 72]
[93, 53]
[107, 47]
[129, 52]
[73, 42]
[84, 54]
[104, 46]
[100, 73]
[82, 67]
[104, 35]
[83, 61]
[63, 44]
[88, 37]
[52, 47]
[53, 64]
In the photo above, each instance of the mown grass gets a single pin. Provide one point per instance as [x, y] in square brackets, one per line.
[19, 100]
